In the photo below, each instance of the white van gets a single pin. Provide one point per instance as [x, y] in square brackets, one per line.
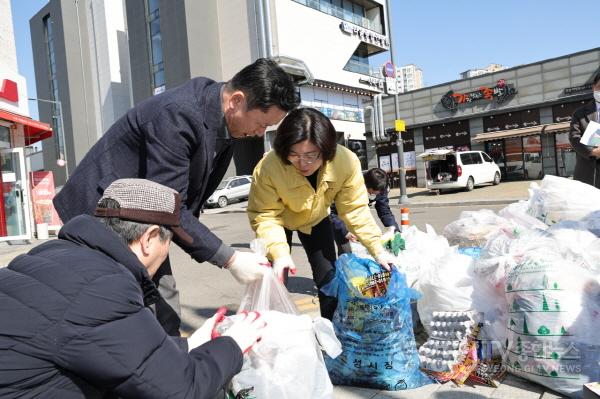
[448, 169]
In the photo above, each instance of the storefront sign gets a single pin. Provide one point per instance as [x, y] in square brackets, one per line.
[371, 81]
[365, 35]
[577, 89]
[42, 193]
[9, 91]
[501, 92]
[341, 114]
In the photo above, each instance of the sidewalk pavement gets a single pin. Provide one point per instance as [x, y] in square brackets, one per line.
[504, 193]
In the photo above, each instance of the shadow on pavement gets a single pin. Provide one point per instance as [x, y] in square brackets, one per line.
[301, 285]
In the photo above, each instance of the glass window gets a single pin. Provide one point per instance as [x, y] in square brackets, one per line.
[475, 158]
[486, 157]
[152, 6]
[4, 137]
[466, 159]
[565, 156]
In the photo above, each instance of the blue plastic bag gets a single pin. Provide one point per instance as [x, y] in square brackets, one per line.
[378, 344]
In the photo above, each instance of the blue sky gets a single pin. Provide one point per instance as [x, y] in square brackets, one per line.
[447, 37]
[442, 37]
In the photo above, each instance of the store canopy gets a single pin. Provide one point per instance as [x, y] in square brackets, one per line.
[504, 134]
[526, 131]
[34, 130]
[431, 155]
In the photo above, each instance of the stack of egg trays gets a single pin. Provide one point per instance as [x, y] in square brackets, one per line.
[447, 345]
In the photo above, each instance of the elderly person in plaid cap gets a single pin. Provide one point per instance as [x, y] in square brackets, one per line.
[75, 313]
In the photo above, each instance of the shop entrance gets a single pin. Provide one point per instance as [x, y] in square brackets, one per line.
[519, 158]
[15, 221]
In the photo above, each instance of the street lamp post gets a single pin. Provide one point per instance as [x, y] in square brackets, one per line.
[399, 143]
[62, 154]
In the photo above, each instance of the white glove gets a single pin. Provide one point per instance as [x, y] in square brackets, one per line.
[280, 264]
[246, 331]
[388, 234]
[204, 333]
[386, 260]
[247, 267]
[351, 237]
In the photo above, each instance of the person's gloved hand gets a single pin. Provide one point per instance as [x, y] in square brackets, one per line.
[386, 260]
[388, 234]
[247, 330]
[351, 237]
[280, 264]
[203, 334]
[247, 267]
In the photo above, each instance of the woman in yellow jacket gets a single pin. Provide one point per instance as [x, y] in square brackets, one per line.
[292, 189]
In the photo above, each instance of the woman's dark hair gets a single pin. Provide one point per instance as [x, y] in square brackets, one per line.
[376, 179]
[305, 124]
[265, 84]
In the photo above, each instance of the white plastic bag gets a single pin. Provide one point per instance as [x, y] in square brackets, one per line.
[287, 363]
[559, 198]
[446, 285]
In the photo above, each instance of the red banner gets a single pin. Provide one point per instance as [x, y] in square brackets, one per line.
[42, 193]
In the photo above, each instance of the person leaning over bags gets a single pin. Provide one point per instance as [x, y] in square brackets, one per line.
[75, 316]
[292, 189]
[587, 164]
[184, 138]
[376, 181]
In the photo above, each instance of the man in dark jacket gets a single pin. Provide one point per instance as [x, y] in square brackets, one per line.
[75, 316]
[376, 181]
[182, 139]
[587, 165]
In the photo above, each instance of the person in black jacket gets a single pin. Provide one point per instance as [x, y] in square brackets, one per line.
[75, 313]
[587, 165]
[182, 138]
[376, 181]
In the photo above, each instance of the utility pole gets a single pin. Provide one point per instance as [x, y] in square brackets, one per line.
[398, 136]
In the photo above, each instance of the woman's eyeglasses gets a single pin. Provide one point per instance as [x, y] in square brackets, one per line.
[309, 157]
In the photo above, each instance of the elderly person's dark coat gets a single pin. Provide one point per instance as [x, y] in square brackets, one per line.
[177, 139]
[75, 324]
[587, 167]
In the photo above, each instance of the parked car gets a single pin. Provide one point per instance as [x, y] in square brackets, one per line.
[235, 188]
[448, 169]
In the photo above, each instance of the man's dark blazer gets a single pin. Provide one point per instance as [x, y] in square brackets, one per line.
[587, 168]
[173, 139]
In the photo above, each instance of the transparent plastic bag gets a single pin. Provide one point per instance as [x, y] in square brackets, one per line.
[287, 363]
[559, 198]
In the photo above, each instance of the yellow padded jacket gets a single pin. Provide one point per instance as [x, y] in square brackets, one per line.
[280, 197]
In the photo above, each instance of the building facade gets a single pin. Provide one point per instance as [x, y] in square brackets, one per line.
[472, 73]
[410, 77]
[81, 58]
[520, 116]
[17, 133]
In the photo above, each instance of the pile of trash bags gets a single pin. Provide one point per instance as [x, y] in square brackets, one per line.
[532, 271]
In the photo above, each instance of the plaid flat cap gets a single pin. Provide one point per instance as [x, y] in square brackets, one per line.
[145, 201]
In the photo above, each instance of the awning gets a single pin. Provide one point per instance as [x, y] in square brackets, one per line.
[34, 130]
[525, 131]
[561, 127]
[431, 155]
[504, 134]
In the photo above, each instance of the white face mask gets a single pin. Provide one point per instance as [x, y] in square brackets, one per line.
[372, 197]
[597, 96]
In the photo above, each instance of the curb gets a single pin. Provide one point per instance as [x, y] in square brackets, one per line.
[459, 203]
